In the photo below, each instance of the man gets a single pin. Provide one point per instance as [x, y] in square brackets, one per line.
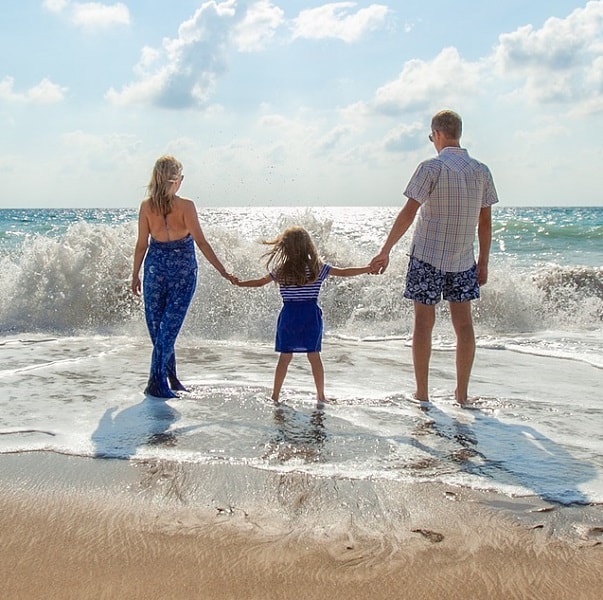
[452, 195]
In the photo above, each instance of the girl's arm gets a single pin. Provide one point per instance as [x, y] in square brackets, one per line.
[350, 271]
[255, 282]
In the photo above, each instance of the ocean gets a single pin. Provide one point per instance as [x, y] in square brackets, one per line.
[75, 355]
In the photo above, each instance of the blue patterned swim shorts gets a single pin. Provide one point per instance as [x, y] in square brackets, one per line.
[426, 284]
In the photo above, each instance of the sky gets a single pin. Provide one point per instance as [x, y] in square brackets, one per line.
[296, 102]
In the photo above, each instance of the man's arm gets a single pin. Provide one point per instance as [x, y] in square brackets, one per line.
[403, 221]
[484, 236]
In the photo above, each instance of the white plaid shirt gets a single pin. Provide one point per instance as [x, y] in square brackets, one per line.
[451, 189]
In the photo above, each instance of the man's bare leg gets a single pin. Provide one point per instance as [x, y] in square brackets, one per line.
[280, 373]
[421, 347]
[460, 313]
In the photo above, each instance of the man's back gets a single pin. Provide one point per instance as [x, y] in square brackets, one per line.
[452, 188]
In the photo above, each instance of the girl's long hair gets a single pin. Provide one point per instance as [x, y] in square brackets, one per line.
[293, 258]
[166, 171]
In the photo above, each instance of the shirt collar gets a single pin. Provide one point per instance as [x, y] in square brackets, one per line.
[453, 150]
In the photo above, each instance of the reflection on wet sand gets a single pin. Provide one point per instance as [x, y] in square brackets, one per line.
[511, 454]
[297, 435]
[120, 433]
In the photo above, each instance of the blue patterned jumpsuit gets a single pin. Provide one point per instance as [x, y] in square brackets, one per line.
[170, 277]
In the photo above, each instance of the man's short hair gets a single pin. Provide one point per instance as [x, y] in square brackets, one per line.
[449, 123]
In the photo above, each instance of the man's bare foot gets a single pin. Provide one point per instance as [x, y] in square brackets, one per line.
[325, 401]
[460, 398]
[468, 402]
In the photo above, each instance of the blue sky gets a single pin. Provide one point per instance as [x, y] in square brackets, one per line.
[295, 102]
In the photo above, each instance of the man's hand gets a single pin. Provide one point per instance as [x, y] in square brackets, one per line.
[379, 263]
[482, 274]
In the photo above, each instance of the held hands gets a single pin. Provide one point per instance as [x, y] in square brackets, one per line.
[232, 278]
[379, 263]
[371, 270]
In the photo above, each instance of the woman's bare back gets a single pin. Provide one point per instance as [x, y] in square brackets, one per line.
[171, 227]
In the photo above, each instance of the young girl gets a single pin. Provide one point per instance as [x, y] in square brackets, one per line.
[294, 265]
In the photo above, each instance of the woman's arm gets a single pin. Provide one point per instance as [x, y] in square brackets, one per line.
[142, 243]
[191, 221]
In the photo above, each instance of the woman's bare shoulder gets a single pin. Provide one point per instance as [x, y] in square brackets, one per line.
[184, 201]
[145, 205]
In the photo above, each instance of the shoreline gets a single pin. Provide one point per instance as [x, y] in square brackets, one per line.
[100, 528]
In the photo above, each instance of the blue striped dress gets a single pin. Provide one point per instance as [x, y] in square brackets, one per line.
[299, 327]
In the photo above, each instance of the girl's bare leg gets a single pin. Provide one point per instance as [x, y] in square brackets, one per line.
[318, 373]
[280, 373]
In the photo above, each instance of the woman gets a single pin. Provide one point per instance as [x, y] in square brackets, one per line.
[168, 228]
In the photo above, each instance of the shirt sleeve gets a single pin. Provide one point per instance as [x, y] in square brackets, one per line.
[422, 182]
[490, 196]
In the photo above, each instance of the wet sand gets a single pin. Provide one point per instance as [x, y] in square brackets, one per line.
[91, 528]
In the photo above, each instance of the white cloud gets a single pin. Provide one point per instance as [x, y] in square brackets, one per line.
[55, 5]
[405, 138]
[332, 138]
[183, 72]
[560, 62]
[274, 120]
[45, 92]
[94, 15]
[444, 80]
[106, 152]
[258, 26]
[547, 133]
[90, 15]
[148, 56]
[337, 21]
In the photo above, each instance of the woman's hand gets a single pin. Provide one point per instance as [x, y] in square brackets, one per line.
[136, 288]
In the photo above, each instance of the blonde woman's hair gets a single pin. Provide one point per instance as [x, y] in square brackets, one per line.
[293, 258]
[166, 172]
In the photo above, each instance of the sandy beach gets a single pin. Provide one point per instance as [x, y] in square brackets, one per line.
[91, 528]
